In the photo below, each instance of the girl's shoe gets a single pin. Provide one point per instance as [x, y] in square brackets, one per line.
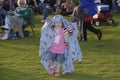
[57, 74]
[51, 71]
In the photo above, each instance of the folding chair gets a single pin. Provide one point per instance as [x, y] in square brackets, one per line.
[32, 20]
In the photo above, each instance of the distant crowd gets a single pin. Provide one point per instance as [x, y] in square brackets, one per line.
[44, 7]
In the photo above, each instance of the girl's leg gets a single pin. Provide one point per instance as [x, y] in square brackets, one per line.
[50, 63]
[51, 57]
[57, 73]
[51, 68]
[60, 60]
[58, 67]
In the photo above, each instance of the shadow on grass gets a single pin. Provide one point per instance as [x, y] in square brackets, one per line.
[25, 44]
[80, 76]
[9, 74]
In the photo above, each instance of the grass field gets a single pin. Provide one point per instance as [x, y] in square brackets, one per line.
[19, 58]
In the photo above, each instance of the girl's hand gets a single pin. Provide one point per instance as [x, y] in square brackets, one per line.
[70, 25]
[66, 45]
[70, 29]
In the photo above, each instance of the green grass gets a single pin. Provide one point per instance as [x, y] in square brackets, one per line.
[19, 58]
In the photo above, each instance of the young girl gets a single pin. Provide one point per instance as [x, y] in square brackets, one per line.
[59, 45]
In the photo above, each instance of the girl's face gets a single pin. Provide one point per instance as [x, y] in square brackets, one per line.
[70, 25]
[58, 24]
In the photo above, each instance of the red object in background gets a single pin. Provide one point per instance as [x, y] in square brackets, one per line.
[88, 19]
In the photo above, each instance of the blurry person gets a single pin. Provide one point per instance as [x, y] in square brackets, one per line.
[91, 10]
[20, 15]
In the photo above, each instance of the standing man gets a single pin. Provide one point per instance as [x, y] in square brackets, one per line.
[90, 6]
